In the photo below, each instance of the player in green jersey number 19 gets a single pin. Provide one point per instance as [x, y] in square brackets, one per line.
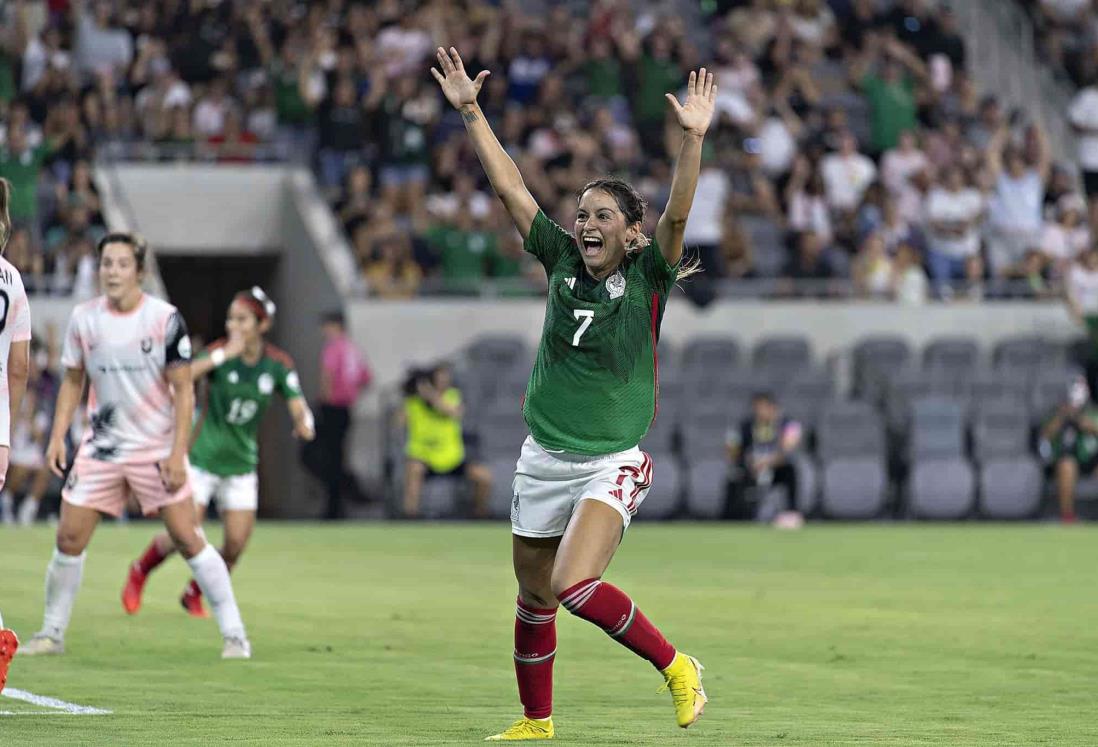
[243, 374]
[591, 397]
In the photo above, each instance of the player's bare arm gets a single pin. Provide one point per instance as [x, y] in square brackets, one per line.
[173, 470]
[461, 92]
[18, 373]
[302, 416]
[694, 115]
[233, 348]
[68, 399]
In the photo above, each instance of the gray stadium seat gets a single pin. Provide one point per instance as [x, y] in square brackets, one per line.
[501, 431]
[1050, 389]
[937, 429]
[951, 354]
[664, 497]
[849, 430]
[1026, 353]
[1000, 433]
[498, 352]
[767, 241]
[875, 360]
[503, 478]
[853, 488]
[993, 388]
[808, 483]
[782, 353]
[661, 433]
[709, 358]
[706, 485]
[1010, 488]
[705, 434]
[941, 489]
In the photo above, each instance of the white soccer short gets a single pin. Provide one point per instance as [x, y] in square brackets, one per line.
[549, 485]
[233, 493]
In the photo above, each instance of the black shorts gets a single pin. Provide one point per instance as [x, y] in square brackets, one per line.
[1090, 183]
[458, 471]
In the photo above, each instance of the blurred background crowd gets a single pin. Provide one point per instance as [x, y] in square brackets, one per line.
[853, 153]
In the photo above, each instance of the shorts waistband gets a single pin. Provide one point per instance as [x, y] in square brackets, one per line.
[567, 456]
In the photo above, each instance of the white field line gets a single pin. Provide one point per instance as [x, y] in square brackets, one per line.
[57, 705]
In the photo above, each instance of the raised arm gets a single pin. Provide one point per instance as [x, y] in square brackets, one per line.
[694, 116]
[506, 180]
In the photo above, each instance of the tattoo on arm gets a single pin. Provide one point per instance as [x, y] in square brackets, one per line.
[469, 117]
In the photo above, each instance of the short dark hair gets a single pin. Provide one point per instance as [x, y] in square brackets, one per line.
[135, 241]
[763, 395]
[334, 317]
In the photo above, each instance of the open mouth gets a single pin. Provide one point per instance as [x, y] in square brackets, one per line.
[591, 246]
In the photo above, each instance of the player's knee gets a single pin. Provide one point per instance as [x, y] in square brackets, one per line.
[70, 542]
[1065, 468]
[540, 600]
[232, 550]
[189, 545]
[562, 582]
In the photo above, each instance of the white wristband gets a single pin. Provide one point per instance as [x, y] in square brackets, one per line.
[217, 357]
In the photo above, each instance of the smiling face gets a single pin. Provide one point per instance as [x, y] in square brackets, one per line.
[243, 321]
[602, 232]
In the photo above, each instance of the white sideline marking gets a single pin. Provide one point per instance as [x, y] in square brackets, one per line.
[42, 700]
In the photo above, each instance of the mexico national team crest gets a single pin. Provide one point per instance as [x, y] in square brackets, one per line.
[266, 383]
[615, 285]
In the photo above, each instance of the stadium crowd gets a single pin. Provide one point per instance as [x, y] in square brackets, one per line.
[853, 153]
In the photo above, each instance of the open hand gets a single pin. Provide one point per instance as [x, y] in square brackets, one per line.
[696, 112]
[57, 458]
[456, 86]
[173, 472]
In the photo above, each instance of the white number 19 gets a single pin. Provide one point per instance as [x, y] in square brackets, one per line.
[587, 315]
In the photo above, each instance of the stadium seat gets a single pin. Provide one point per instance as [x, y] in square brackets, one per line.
[1049, 389]
[706, 487]
[954, 354]
[808, 483]
[665, 496]
[709, 358]
[1000, 433]
[1010, 488]
[941, 489]
[875, 360]
[1026, 353]
[503, 477]
[661, 433]
[849, 429]
[439, 499]
[705, 432]
[498, 353]
[786, 354]
[994, 388]
[501, 431]
[937, 429]
[853, 487]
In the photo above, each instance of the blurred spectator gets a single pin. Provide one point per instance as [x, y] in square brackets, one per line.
[846, 174]
[953, 214]
[873, 268]
[28, 474]
[1064, 239]
[1081, 293]
[760, 452]
[1017, 197]
[101, 46]
[808, 209]
[392, 273]
[1083, 115]
[909, 281]
[890, 90]
[433, 411]
[899, 167]
[1069, 442]
[343, 377]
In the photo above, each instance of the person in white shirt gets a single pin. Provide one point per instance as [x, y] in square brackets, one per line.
[953, 212]
[846, 174]
[806, 204]
[1017, 197]
[1083, 115]
[135, 350]
[15, 335]
[1068, 236]
[898, 166]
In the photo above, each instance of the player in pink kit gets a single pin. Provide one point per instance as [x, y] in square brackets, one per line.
[15, 335]
[135, 349]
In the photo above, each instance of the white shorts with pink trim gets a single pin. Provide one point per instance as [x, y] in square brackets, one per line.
[107, 486]
[548, 486]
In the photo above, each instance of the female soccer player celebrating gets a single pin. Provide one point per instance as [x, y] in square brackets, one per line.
[244, 372]
[590, 399]
[137, 354]
[15, 335]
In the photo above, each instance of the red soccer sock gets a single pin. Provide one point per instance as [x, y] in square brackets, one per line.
[612, 610]
[535, 649]
[150, 559]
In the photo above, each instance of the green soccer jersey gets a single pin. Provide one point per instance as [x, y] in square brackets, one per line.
[594, 385]
[238, 397]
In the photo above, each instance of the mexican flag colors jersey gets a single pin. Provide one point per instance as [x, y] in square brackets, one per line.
[238, 396]
[594, 385]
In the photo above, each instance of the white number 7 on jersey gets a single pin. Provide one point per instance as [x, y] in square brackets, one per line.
[587, 315]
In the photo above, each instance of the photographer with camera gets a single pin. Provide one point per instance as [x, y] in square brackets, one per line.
[1069, 441]
[432, 414]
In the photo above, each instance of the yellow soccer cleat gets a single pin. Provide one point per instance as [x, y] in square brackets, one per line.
[683, 678]
[525, 729]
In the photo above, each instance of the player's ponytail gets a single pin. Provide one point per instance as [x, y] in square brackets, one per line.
[5, 216]
[633, 206]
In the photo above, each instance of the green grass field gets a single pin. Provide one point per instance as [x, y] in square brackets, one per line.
[401, 634]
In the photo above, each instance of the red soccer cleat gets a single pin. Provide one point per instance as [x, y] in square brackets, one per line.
[131, 592]
[192, 603]
[8, 646]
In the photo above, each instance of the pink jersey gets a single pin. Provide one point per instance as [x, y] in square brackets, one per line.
[126, 356]
[15, 326]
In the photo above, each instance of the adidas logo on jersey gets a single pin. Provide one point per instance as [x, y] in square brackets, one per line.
[570, 282]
